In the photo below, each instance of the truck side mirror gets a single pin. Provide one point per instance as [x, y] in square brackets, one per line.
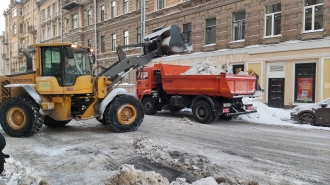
[323, 105]
[69, 53]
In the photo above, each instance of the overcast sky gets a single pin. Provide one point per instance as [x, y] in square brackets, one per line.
[3, 6]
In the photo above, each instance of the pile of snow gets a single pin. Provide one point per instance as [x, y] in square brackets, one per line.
[205, 66]
[128, 175]
[185, 120]
[243, 73]
[16, 174]
[265, 114]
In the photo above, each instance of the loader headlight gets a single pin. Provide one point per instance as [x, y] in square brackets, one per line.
[226, 105]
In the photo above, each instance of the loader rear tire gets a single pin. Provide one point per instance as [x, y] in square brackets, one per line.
[124, 114]
[149, 106]
[20, 117]
[50, 122]
[202, 112]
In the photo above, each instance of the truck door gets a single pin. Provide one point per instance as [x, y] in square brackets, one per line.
[142, 83]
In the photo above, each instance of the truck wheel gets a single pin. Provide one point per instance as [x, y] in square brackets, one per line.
[124, 114]
[20, 117]
[202, 112]
[50, 122]
[149, 106]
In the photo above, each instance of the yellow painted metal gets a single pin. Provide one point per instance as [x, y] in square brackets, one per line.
[48, 85]
[90, 112]
[16, 118]
[83, 85]
[101, 86]
[326, 79]
[62, 110]
[127, 114]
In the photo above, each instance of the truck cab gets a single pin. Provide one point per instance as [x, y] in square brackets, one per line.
[146, 81]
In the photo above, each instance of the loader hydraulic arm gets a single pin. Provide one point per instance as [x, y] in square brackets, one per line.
[167, 41]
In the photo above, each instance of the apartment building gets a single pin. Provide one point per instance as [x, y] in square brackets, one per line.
[285, 41]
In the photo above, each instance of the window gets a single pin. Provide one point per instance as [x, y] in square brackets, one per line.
[21, 12]
[138, 35]
[313, 15]
[138, 4]
[89, 17]
[305, 83]
[48, 11]
[14, 14]
[102, 44]
[54, 30]
[54, 8]
[89, 43]
[160, 4]
[187, 32]
[210, 31]
[14, 46]
[113, 46]
[14, 29]
[20, 28]
[125, 7]
[113, 9]
[126, 40]
[75, 21]
[48, 32]
[239, 26]
[67, 25]
[43, 34]
[102, 13]
[273, 20]
[43, 14]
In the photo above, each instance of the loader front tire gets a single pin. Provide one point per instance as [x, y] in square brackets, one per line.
[50, 122]
[124, 114]
[20, 117]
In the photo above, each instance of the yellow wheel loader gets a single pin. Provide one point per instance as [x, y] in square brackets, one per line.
[64, 86]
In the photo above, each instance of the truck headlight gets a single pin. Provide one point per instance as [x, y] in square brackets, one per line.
[226, 105]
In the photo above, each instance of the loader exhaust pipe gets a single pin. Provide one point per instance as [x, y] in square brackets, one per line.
[28, 60]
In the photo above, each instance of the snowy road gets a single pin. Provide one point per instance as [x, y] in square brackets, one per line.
[234, 152]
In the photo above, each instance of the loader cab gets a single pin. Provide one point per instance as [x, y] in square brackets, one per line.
[65, 63]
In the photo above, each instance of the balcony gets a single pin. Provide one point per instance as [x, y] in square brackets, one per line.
[32, 30]
[4, 41]
[69, 4]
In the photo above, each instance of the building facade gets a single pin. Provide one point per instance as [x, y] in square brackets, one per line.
[285, 41]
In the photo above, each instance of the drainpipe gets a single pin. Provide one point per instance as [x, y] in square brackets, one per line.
[143, 21]
[95, 33]
[61, 24]
[38, 24]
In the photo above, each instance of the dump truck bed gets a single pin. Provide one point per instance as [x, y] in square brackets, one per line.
[223, 84]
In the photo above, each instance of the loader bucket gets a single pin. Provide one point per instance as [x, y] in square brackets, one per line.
[171, 40]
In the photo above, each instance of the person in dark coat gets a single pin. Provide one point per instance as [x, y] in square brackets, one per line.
[2, 156]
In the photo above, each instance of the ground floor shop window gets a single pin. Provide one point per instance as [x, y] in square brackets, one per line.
[305, 83]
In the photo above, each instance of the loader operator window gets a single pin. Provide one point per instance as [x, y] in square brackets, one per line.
[78, 66]
[51, 62]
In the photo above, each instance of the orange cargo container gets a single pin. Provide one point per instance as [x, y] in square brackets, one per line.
[165, 87]
[225, 85]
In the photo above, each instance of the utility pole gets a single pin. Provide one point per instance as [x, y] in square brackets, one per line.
[95, 33]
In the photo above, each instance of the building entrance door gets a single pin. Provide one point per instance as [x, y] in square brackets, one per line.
[276, 92]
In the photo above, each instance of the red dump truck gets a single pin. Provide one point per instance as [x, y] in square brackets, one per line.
[165, 87]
